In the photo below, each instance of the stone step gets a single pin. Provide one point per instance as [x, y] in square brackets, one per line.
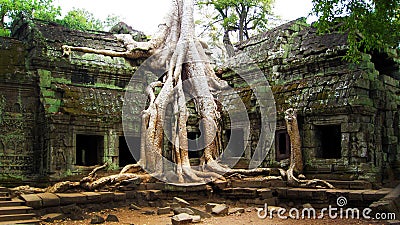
[13, 202]
[4, 194]
[17, 217]
[4, 189]
[27, 222]
[5, 198]
[9, 210]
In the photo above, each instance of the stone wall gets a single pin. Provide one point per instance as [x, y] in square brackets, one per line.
[18, 112]
[307, 72]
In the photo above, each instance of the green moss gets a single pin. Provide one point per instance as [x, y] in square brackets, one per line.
[108, 86]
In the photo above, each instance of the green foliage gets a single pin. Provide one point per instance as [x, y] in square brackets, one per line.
[243, 16]
[11, 9]
[81, 19]
[370, 24]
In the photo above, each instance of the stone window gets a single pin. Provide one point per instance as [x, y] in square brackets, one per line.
[195, 144]
[129, 150]
[329, 141]
[282, 145]
[89, 150]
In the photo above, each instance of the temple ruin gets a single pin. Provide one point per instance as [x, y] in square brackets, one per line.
[61, 115]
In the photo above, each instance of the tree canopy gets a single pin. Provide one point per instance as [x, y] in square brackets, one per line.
[371, 24]
[41, 9]
[78, 19]
[241, 16]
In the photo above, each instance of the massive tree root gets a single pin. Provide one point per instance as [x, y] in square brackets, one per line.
[296, 156]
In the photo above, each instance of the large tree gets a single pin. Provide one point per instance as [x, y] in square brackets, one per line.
[370, 24]
[188, 74]
[241, 16]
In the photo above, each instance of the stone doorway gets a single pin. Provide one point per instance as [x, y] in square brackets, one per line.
[89, 150]
[126, 155]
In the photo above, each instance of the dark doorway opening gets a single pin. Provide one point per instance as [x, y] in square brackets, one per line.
[282, 145]
[195, 145]
[126, 155]
[329, 140]
[89, 149]
[235, 146]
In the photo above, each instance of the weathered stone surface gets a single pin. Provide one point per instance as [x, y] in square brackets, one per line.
[112, 218]
[134, 207]
[201, 213]
[49, 199]
[183, 210]
[162, 211]
[92, 197]
[71, 198]
[181, 219]
[32, 200]
[181, 202]
[220, 210]
[210, 206]
[97, 220]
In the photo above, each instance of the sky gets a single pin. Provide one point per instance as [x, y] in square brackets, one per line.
[145, 15]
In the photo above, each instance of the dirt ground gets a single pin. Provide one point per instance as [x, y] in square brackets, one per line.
[249, 217]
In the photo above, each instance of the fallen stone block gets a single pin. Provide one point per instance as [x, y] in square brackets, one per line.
[112, 218]
[210, 206]
[183, 203]
[163, 211]
[181, 219]
[220, 210]
[201, 213]
[183, 210]
[134, 207]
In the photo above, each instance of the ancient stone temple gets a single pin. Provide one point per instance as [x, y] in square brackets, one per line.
[61, 114]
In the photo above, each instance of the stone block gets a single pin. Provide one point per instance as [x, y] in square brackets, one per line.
[92, 197]
[32, 200]
[179, 210]
[210, 206]
[112, 218]
[118, 196]
[130, 194]
[106, 196]
[181, 219]
[162, 211]
[49, 199]
[71, 198]
[220, 210]
[201, 213]
[264, 193]
[181, 202]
